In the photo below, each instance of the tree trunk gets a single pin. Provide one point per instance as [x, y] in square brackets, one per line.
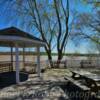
[60, 56]
[50, 58]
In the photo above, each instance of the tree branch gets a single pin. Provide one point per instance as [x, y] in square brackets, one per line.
[66, 33]
[60, 26]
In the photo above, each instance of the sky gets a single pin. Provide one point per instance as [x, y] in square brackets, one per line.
[71, 48]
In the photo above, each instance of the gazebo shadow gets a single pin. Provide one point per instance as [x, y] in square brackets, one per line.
[9, 78]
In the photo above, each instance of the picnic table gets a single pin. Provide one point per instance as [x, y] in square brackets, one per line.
[89, 79]
[87, 63]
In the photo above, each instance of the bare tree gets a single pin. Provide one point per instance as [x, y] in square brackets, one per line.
[35, 15]
[88, 28]
[62, 14]
[51, 21]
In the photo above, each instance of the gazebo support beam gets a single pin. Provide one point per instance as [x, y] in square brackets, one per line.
[11, 59]
[17, 63]
[23, 57]
[38, 62]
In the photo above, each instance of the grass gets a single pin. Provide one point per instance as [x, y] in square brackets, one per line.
[57, 72]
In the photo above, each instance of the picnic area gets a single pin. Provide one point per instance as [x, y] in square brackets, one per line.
[54, 84]
[22, 79]
[49, 49]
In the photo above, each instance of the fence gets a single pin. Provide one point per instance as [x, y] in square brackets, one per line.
[6, 66]
[83, 63]
[77, 63]
[28, 66]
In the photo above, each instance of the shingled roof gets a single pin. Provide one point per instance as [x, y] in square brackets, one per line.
[14, 35]
[13, 31]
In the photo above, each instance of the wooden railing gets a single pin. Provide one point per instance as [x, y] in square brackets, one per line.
[31, 67]
[62, 64]
[30, 64]
[5, 67]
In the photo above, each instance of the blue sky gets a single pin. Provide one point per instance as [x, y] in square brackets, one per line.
[71, 48]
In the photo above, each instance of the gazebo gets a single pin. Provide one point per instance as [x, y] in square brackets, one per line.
[15, 38]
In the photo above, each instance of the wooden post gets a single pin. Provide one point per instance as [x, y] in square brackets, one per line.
[11, 59]
[23, 57]
[38, 62]
[17, 63]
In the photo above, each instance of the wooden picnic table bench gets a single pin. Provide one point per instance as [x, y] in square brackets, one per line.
[91, 80]
[86, 63]
[77, 83]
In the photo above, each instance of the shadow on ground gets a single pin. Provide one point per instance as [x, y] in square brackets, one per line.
[43, 90]
[9, 78]
[51, 87]
[75, 93]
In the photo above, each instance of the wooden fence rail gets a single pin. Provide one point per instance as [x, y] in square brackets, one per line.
[5, 67]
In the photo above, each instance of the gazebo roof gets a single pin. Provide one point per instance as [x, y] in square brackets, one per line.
[12, 35]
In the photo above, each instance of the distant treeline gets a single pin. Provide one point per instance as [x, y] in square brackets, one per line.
[54, 54]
